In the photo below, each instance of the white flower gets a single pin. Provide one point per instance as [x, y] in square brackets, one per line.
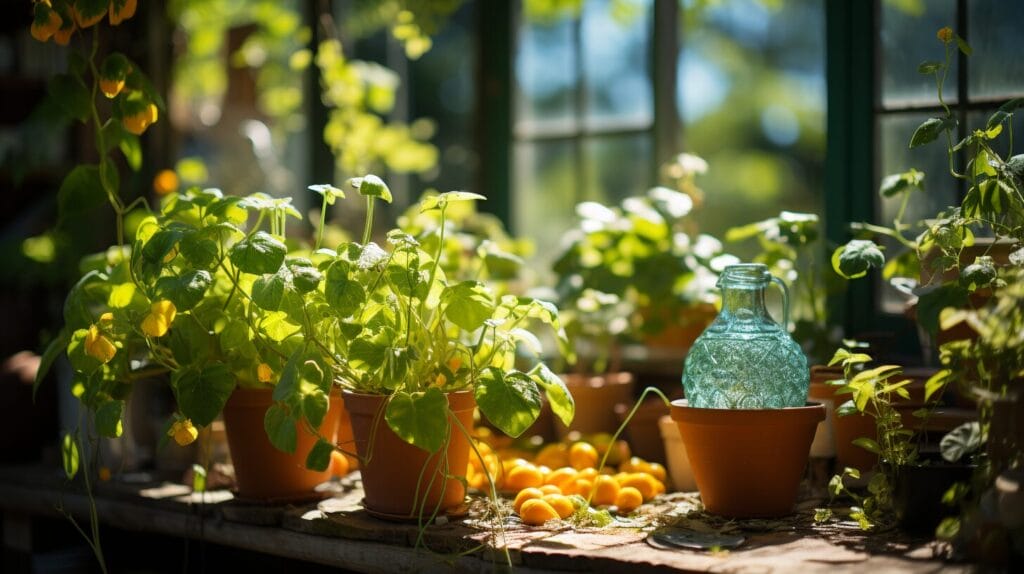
[691, 164]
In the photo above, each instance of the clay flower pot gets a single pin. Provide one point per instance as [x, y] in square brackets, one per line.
[747, 462]
[596, 397]
[402, 481]
[261, 471]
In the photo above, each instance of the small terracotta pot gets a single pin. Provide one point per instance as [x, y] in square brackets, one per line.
[392, 468]
[261, 471]
[747, 462]
[596, 397]
[678, 462]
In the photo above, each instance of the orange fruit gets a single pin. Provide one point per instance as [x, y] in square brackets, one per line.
[561, 476]
[339, 464]
[634, 464]
[587, 473]
[524, 495]
[606, 490]
[550, 489]
[523, 476]
[643, 482]
[628, 500]
[562, 505]
[657, 471]
[536, 512]
[580, 486]
[582, 455]
[553, 455]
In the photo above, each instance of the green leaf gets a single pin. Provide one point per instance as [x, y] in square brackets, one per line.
[71, 96]
[328, 191]
[53, 350]
[420, 418]
[963, 45]
[559, 397]
[964, 439]
[199, 250]
[468, 304]
[981, 273]
[155, 250]
[203, 393]
[305, 275]
[69, 456]
[288, 384]
[278, 327]
[929, 67]
[132, 150]
[855, 258]
[314, 406]
[900, 182]
[443, 199]
[81, 191]
[371, 186]
[108, 418]
[343, 293]
[198, 478]
[997, 119]
[930, 129]
[319, 457]
[931, 304]
[868, 445]
[260, 254]
[186, 290]
[268, 290]
[512, 402]
[280, 428]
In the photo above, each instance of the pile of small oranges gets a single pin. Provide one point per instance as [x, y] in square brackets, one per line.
[562, 478]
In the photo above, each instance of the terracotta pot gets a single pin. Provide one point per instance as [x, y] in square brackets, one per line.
[747, 462]
[596, 397]
[392, 468]
[679, 469]
[261, 471]
[680, 333]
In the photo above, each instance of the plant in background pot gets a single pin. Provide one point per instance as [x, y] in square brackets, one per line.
[192, 298]
[746, 412]
[416, 353]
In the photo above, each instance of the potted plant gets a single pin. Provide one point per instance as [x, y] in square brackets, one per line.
[415, 353]
[746, 413]
[193, 298]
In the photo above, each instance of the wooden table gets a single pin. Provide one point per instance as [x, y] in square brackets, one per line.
[337, 532]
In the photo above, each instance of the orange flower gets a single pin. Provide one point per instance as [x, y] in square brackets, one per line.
[113, 72]
[138, 122]
[46, 21]
[98, 346]
[67, 26]
[264, 373]
[945, 35]
[183, 432]
[165, 182]
[121, 10]
[111, 88]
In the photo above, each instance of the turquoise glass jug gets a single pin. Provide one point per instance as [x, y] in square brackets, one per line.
[744, 359]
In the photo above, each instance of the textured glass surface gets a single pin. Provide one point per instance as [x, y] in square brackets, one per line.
[996, 68]
[744, 359]
[908, 38]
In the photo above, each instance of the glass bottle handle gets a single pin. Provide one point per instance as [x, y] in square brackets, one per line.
[785, 301]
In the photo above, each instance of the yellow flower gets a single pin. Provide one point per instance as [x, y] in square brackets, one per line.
[138, 122]
[945, 35]
[183, 432]
[158, 321]
[440, 380]
[107, 318]
[111, 88]
[46, 21]
[264, 373]
[165, 182]
[121, 10]
[98, 346]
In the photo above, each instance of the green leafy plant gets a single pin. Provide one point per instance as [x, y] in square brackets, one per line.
[874, 392]
[645, 255]
[390, 321]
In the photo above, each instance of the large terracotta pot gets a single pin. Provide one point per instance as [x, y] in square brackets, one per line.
[402, 481]
[747, 462]
[261, 471]
[596, 397]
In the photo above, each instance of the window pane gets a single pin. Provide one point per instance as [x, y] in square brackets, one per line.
[544, 193]
[546, 76]
[616, 167]
[996, 66]
[616, 44]
[752, 99]
[940, 188]
[908, 38]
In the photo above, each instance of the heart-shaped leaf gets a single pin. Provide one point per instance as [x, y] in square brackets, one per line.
[280, 428]
[559, 397]
[319, 457]
[202, 393]
[420, 418]
[855, 258]
[512, 402]
[260, 254]
[468, 304]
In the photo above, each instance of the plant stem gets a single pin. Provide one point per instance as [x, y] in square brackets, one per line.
[323, 221]
[368, 227]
